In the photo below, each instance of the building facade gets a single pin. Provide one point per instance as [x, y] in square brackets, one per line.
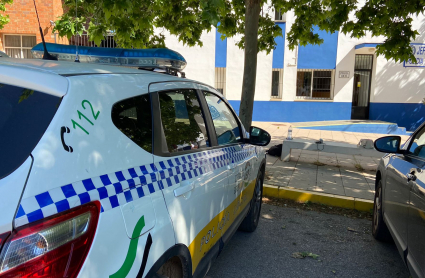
[22, 32]
[341, 79]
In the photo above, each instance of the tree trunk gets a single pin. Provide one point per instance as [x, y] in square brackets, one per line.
[252, 15]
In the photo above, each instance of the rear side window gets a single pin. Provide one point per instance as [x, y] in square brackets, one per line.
[133, 117]
[225, 124]
[182, 120]
[24, 117]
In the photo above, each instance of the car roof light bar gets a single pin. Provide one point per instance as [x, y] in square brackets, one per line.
[140, 58]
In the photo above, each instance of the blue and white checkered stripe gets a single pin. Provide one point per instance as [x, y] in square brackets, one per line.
[132, 184]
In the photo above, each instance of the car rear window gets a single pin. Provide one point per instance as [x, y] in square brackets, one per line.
[24, 116]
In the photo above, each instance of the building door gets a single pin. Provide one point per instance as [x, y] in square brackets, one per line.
[361, 89]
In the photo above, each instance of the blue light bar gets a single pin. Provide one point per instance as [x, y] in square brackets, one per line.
[141, 58]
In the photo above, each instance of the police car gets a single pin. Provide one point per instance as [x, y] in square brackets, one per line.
[111, 171]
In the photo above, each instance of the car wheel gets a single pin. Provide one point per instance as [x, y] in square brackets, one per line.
[250, 223]
[379, 228]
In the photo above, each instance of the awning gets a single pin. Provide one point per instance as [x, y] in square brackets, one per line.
[366, 45]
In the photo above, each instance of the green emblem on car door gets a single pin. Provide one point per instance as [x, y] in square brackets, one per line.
[132, 251]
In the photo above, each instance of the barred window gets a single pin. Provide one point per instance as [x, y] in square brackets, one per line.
[277, 86]
[279, 16]
[315, 84]
[220, 80]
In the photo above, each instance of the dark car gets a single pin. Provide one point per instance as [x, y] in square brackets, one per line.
[399, 208]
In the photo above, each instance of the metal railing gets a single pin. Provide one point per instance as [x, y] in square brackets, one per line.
[277, 84]
[83, 40]
[311, 85]
[220, 80]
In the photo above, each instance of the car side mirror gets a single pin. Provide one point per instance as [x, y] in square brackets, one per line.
[258, 136]
[388, 144]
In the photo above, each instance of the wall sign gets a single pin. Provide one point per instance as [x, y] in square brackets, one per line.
[344, 74]
[418, 50]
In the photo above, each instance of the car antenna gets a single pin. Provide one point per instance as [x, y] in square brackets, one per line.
[77, 58]
[46, 55]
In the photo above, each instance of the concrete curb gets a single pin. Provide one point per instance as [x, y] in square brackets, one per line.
[316, 197]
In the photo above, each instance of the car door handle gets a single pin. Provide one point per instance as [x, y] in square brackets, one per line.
[184, 188]
[411, 176]
[231, 166]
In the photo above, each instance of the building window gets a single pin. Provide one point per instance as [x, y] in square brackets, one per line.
[277, 78]
[315, 84]
[220, 80]
[279, 16]
[19, 46]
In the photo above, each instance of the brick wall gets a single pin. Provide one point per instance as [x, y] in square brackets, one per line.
[23, 19]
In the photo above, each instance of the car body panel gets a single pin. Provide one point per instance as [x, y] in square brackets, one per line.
[396, 200]
[404, 204]
[416, 223]
[83, 157]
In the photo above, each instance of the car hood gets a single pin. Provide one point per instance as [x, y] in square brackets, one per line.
[11, 188]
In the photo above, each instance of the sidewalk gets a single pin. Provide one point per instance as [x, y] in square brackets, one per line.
[338, 174]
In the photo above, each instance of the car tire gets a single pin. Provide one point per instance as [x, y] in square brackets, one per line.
[379, 228]
[250, 223]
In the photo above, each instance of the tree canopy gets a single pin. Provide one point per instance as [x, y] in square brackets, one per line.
[4, 18]
[139, 23]
[389, 18]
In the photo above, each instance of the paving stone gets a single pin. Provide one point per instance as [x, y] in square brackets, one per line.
[359, 193]
[325, 154]
[332, 189]
[270, 160]
[344, 156]
[284, 165]
[302, 185]
[305, 166]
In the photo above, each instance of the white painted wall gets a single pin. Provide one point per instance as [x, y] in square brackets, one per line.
[234, 72]
[289, 65]
[397, 84]
[391, 82]
[200, 60]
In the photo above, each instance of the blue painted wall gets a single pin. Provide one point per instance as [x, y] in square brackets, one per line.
[363, 128]
[220, 51]
[408, 115]
[297, 111]
[319, 56]
[279, 51]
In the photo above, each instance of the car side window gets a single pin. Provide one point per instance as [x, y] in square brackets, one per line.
[226, 126]
[417, 147]
[133, 117]
[182, 120]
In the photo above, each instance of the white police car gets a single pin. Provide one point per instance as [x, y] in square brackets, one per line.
[117, 172]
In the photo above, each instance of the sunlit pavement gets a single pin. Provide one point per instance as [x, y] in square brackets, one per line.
[338, 174]
[345, 248]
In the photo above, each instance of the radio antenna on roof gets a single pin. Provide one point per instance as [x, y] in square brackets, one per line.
[77, 59]
[46, 55]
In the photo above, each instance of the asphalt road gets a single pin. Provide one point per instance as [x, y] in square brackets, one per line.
[283, 231]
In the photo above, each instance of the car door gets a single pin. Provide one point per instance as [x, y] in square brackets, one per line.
[191, 171]
[396, 196]
[243, 159]
[416, 223]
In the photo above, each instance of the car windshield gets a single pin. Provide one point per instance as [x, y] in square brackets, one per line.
[24, 116]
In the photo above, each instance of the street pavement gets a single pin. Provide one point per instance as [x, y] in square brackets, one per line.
[338, 174]
[345, 248]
